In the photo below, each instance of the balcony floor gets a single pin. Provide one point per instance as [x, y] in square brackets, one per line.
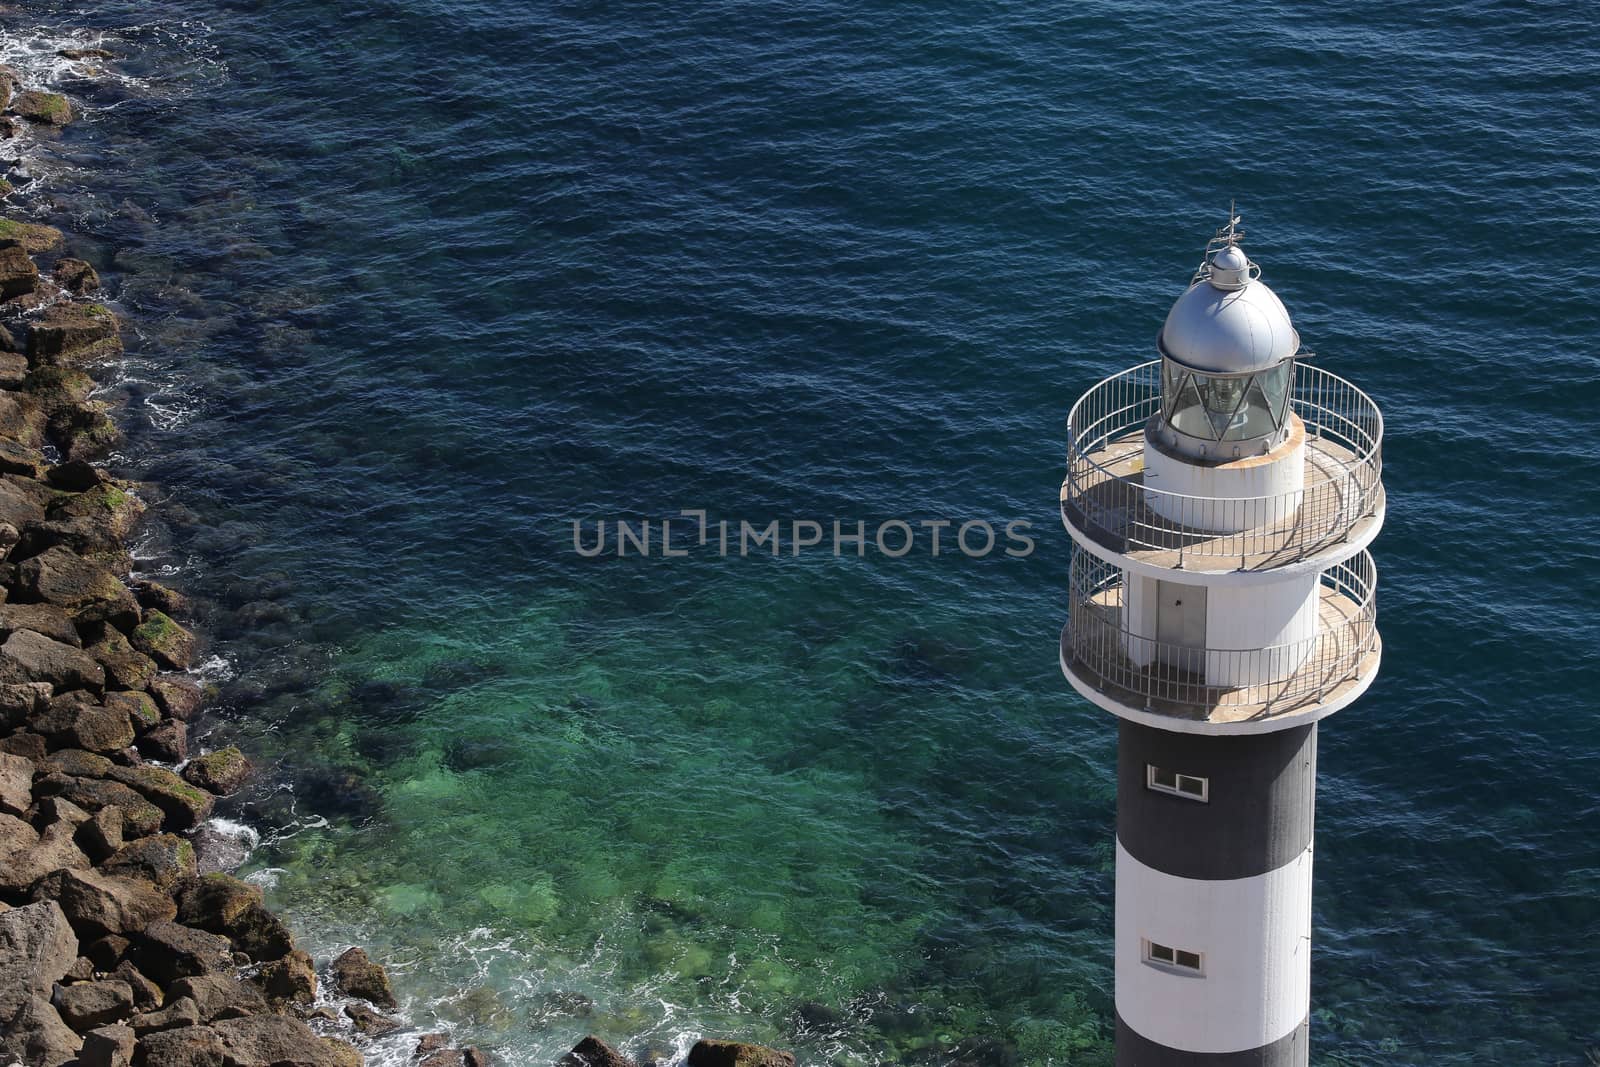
[1336, 665]
[1124, 523]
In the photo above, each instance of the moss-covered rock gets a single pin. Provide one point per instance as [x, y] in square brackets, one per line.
[141, 709]
[221, 772]
[184, 806]
[74, 333]
[179, 696]
[85, 590]
[163, 639]
[125, 666]
[23, 418]
[85, 431]
[32, 236]
[164, 859]
[110, 505]
[75, 275]
[55, 387]
[47, 109]
[18, 275]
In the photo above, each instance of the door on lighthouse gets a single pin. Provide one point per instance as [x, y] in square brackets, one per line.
[1181, 625]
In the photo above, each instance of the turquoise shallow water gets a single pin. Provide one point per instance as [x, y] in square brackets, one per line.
[416, 285]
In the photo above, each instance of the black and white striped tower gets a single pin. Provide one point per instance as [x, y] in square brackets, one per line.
[1221, 500]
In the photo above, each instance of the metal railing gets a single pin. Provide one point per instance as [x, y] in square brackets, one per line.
[1100, 647]
[1106, 497]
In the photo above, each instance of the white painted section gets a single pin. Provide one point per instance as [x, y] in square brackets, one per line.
[1255, 935]
[1258, 491]
[1271, 724]
[1234, 636]
[1222, 573]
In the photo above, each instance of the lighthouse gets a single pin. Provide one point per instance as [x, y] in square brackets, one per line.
[1221, 499]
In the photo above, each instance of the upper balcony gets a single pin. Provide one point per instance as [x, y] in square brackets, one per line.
[1105, 499]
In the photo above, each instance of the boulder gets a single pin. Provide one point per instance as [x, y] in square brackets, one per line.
[431, 1043]
[75, 275]
[125, 667]
[47, 620]
[37, 948]
[164, 640]
[32, 236]
[71, 719]
[17, 702]
[167, 951]
[55, 388]
[96, 903]
[356, 974]
[161, 597]
[83, 589]
[181, 1012]
[26, 856]
[168, 742]
[163, 859]
[111, 506]
[18, 275]
[106, 952]
[221, 772]
[706, 1053]
[221, 848]
[58, 809]
[101, 837]
[16, 458]
[291, 980]
[76, 476]
[74, 333]
[36, 1036]
[16, 783]
[75, 762]
[141, 708]
[182, 1046]
[178, 695]
[47, 109]
[31, 657]
[261, 935]
[24, 743]
[139, 816]
[86, 1005]
[23, 418]
[220, 996]
[147, 995]
[20, 503]
[84, 431]
[216, 902]
[184, 805]
[86, 53]
[369, 1022]
[592, 1052]
[278, 1041]
[108, 1046]
[13, 372]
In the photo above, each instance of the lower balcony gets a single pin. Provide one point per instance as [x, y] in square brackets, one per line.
[1249, 689]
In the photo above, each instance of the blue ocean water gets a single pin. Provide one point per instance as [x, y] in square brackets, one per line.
[412, 286]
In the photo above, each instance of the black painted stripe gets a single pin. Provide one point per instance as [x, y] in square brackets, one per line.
[1260, 813]
[1291, 1050]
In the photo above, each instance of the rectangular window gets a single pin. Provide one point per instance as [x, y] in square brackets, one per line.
[1175, 959]
[1184, 785]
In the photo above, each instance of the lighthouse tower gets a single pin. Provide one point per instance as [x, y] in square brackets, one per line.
[1221, 500]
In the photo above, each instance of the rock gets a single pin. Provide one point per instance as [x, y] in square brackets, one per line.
[358, 976]
[707, 1053]
[16, 783]
[141, 708]
[32, 236]
[85, 1005]
[20, 504]
[161, 597]
[82, 970]
[13, 372]
[86, 53]
[17, 702]
[139, 816]
[592, 1052]
[71, 719]
[84, 431]
[52, 809]
[450, 1057]
[18, 275]
[221, 772]
[220, 996]
[168, 643]
[96, 903]
[55, 388]
[278, 1041]
[168, 951]
[291, 980]
[85, 590]
[28, 657]
[110, 506]
[125, 668]
[167, 742]
[179, 1013]
[104, 953]
[76, 476]
[74, 333]
[37, 948]
[147, 995]
[223, 848]
[16, 458]
[370, 1022]
[24, 743]
[216, 902]
[101, 837]
[36, 1036]
[47, 109]
[431, 1043]
[76, 276]
[26, 856]
[109, 1046]
[179, 696]
[184, 805]
[163, 859]
[46, 620]
[22, 418]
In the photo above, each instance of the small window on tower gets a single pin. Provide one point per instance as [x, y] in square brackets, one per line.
[1184, 785]
[1176, 959]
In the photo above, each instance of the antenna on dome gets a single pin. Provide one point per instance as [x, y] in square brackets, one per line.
[1227, 236]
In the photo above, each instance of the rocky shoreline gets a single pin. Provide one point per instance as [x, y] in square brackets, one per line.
[124, 942]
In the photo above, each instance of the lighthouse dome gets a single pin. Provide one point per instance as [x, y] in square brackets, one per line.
[1229, 322]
